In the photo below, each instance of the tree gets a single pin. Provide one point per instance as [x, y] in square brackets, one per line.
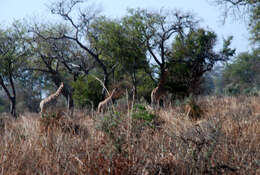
[119, 43]
[244, 9]
[60, 60]
[159, 29]
[243, 74]
[192, 56]
[29, 91]
[236, 8]
[254, 25]
[80, 21]
[13, 51]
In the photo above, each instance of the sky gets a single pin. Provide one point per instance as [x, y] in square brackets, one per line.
[208, 13]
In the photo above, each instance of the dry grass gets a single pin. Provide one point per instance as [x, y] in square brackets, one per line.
[224, 140]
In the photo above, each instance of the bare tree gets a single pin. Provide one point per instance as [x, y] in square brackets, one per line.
[239, 9]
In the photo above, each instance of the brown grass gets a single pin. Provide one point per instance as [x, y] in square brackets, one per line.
[224, 140]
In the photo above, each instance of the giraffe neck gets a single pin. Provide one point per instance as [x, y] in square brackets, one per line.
[161, 84]
[58, 92]
[162, 80]
[110, 96]
[55, 95]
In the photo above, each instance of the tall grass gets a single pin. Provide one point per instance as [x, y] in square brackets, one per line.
[134, 139]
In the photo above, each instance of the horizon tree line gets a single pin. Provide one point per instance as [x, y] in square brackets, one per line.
[128, 53]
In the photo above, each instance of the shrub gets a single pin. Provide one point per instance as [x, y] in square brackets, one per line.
[192, 109]
[87, 91]
[140, 113]
[111, 125]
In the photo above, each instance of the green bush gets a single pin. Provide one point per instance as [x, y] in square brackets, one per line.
[253, 91]
[232, 89]
[242, 76]
[141, 113]
[87, 91]
[144, 86]
[110, 125]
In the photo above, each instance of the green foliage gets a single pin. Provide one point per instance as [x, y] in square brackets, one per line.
[13, 54]
[106, 37]
[87, 91]
[117, 42]
[144, 85]
[158, 30]
[142, 119]
[120, 44]
[13, 49]
[140, 113]
[232, 89]
[255, 25]
[242, 75]
[251, 91]
[109, 124]
[192, 56]
[29, 90]
[145, 22]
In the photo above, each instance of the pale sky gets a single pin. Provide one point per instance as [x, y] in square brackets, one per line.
[210, 15]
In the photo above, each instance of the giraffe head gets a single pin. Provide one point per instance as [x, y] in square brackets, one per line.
[61, 86]
[114, 90]
[164, 74]
[59, 89]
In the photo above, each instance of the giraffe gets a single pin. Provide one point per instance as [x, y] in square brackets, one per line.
[103, 104]
[159, 93]
[45, 103]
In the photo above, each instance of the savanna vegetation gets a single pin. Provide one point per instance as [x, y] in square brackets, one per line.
[208, 124]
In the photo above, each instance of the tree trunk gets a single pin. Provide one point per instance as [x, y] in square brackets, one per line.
[13, 107]
[70, 104]
[12, 98]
